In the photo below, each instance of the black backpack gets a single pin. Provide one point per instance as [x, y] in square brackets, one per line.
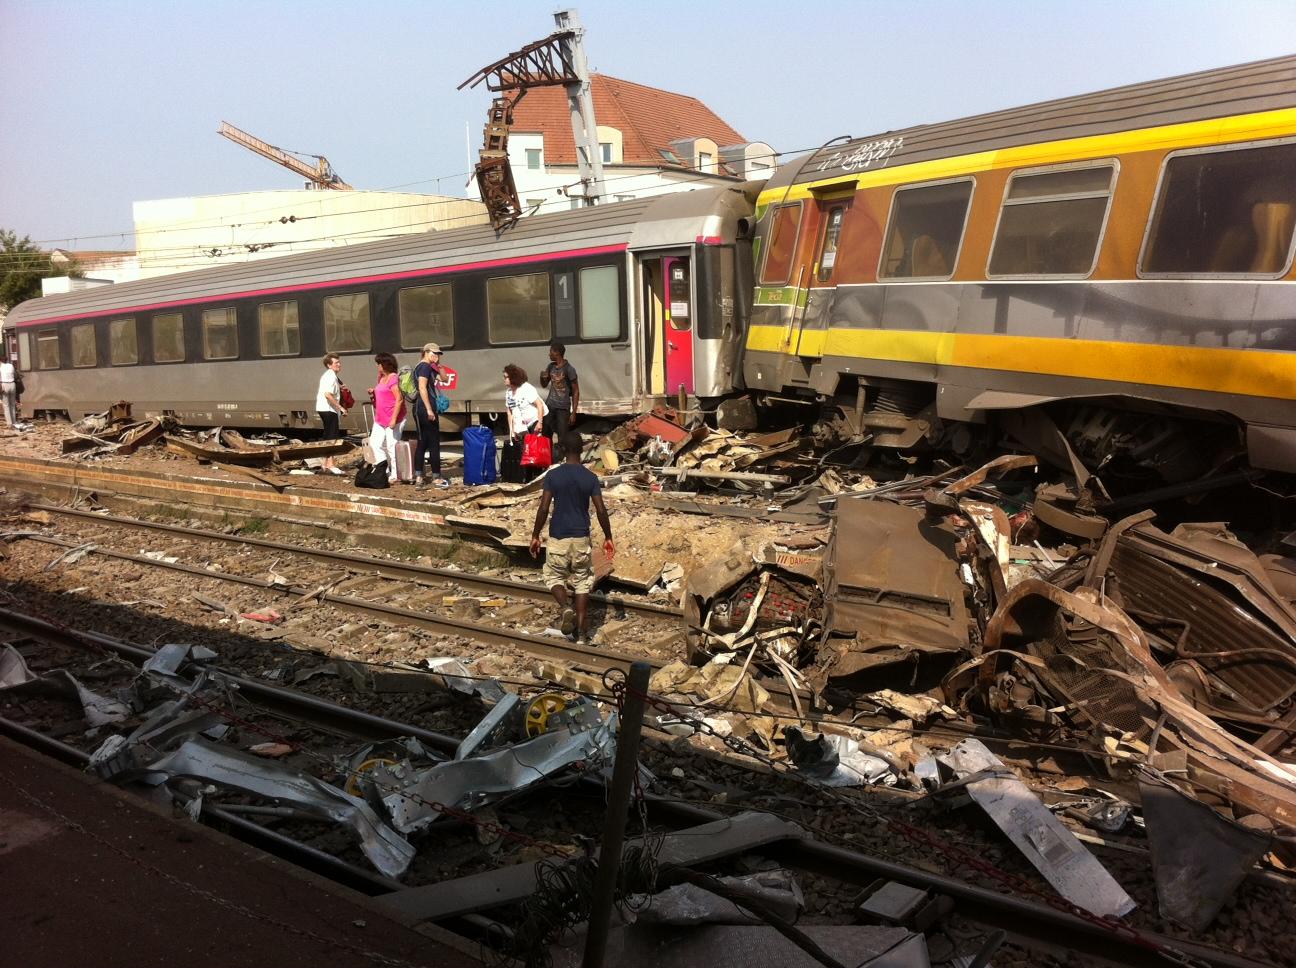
[372, 475]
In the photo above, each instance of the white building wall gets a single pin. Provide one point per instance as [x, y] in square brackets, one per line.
[181, 234]
[545, 189]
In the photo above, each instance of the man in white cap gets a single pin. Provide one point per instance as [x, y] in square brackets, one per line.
[426, 375]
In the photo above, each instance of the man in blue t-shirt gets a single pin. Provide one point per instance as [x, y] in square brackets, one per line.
[568, 557]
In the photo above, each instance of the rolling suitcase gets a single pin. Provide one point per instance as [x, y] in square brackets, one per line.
[511, 470]
[479, 455]
[404, 461]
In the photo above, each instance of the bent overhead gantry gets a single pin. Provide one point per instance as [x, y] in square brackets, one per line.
[558, 59]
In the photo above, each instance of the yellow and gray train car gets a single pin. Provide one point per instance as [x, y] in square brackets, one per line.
[1121, 261]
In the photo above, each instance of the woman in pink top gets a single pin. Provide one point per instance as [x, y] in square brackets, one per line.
[389, 407]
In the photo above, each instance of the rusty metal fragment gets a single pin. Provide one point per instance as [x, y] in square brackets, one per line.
[893, 589]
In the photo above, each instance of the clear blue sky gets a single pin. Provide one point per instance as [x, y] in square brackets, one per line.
[105, 102]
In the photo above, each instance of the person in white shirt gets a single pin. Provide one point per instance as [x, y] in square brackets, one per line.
[525, 408]
[9, 392]
[328, 404]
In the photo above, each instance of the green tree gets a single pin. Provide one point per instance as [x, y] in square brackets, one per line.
[22, 266]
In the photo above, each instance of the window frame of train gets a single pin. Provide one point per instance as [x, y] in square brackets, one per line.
[547, 303]
[446, 340]
[44, 338]
[155, 342]
[1158, 210]
[768, 248]
[229, 316]
[116, 327]
[76, 336]
[1112, 165]
[586, 310]
[892, 224]
[284, 323]
[330, 342]
[836, 208]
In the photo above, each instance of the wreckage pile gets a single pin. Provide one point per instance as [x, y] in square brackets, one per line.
[1168, 659]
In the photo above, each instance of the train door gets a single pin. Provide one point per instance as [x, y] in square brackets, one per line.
[679, 324]
[668, 322]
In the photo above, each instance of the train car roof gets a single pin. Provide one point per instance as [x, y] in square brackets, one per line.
[1243, 89]
[679, 217]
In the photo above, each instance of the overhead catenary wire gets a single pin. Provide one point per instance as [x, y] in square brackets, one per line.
[201, 224]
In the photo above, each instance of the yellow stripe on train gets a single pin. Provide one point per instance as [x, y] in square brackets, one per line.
[1257, 373]
[1241, 127]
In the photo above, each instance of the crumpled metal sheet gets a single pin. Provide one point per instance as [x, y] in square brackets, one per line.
[688, 904]
[1046, 843]
[13, 668]
[389, 852]
[1233, 621]
[893, 581]
[465, 784]
[98, 709]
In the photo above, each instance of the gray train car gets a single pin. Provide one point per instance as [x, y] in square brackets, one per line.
[1121, 260]
[648, 295]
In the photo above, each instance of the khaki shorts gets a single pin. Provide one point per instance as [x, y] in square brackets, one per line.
[568, 562]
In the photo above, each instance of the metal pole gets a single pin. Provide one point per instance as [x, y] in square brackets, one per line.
[623, 774]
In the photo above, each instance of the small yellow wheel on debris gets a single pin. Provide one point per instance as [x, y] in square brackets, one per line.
[353, 781]
[540, 709]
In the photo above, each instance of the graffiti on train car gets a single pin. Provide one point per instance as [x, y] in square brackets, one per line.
[865, 156]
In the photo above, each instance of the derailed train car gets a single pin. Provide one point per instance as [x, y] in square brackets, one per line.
[1121, 261]
[649, 296]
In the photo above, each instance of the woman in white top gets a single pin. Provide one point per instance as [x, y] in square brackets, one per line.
[328, 404]
[525, 408]
[9, 392]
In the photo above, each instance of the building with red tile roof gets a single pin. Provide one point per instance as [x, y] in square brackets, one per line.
[651, 140]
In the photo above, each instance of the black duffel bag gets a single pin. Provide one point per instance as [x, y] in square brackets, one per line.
[372, 475]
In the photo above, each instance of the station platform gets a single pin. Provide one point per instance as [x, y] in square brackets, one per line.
[91, 875]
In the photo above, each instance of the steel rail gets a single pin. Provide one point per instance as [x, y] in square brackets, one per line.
[357, 562]
[1024, 918]
[547, 645]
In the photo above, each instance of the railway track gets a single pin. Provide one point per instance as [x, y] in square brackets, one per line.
[384, 567]
[1028, 920]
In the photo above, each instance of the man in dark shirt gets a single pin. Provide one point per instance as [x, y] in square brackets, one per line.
[568, 556]
[564, 392]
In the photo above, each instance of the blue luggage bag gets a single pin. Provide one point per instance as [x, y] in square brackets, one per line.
[479, 455]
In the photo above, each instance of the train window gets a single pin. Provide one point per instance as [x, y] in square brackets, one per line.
[47, 350]
[781, 245]
[220, 334]
[346, 323]
[426, 316]
[280, 334]
[828, 245]
[83, 345]
[168, 338]
[24, 351]
[925, 231]
[1224, 212]
[600, 311]
[123, 342]
[517, 308]
[1052, 221]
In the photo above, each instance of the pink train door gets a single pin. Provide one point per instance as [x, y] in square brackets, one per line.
[679, 324]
